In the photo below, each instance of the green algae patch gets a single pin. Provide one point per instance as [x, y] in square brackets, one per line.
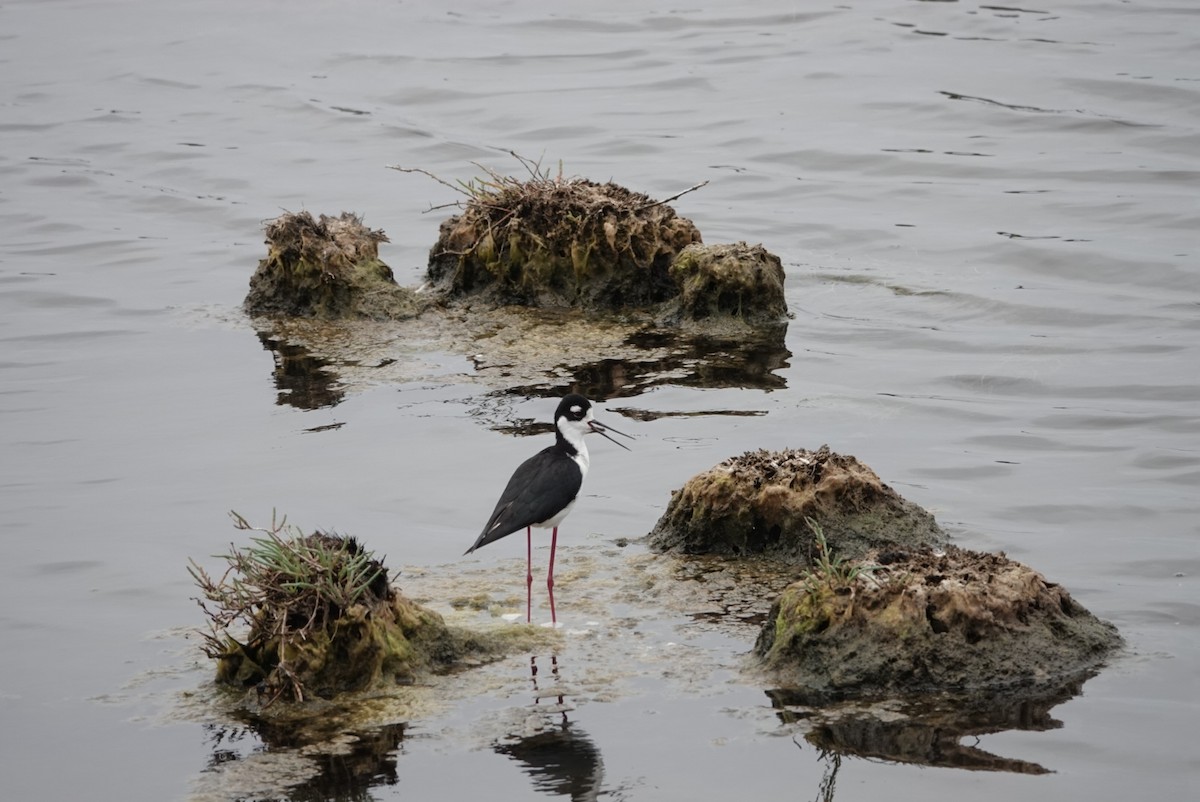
[298, 616]
[774, 503]
[739, 281]
[328, 268]
[910, 622]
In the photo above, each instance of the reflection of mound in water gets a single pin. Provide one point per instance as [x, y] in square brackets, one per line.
[703, 362]
[514, 350]
[928, 730]
[307, 762]
[303, 380]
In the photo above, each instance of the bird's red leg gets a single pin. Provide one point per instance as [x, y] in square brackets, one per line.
[528, 574]
[550, 575]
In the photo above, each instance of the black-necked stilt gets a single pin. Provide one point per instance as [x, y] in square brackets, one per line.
[543, 488]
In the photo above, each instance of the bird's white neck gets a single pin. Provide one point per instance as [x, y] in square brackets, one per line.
[572, 433]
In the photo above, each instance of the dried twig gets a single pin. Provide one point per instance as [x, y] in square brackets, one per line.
[673, 197]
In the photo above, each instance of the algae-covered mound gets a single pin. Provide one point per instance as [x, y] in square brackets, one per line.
[737, 280]
[326, 268]
[555, 242]
[927, 619]
[768, 502]
[319, 617]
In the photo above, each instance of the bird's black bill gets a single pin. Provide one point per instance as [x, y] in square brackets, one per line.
[602, 430]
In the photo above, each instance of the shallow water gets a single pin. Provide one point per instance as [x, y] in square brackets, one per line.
[987, 215]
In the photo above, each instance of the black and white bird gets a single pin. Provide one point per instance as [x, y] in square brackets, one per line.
[544, 487]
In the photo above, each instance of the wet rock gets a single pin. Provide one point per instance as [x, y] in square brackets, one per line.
[558, 242]
[327, 268]
[739, 281]
[776, 502]
[929, 620]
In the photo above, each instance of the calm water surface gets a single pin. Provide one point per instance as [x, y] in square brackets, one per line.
[988, 216]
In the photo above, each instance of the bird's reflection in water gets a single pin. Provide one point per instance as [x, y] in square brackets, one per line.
[556, 755]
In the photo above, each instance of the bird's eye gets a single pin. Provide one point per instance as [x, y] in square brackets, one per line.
[577, 410]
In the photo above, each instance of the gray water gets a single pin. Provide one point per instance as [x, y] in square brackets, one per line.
[988, 218]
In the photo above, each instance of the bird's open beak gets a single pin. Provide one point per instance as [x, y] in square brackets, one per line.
[602, 430]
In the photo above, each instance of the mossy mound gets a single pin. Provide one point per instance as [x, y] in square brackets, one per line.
[376, 641]
[320, 618]
[767, 502]
[735, 280]
[326, 268]
[559, 242]
[930, 620]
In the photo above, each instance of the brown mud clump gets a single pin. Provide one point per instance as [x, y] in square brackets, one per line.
[778, 504]
[327, 268]
[558, 242]
[740, 281]
[299, 616]
[910, 622]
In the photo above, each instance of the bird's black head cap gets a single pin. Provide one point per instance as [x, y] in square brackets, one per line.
[573, 407]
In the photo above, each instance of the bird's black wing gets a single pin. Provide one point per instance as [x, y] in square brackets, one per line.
[540, 487]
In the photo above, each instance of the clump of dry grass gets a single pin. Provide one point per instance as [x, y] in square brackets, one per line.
[551, 240]
[284, 589]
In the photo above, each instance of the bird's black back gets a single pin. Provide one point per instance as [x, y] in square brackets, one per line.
[540, 487]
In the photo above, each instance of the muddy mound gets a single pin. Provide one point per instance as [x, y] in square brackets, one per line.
[909, 622]
[777, 502]
[326, 268]
[555, 241]
[736, 280]
[298, 616]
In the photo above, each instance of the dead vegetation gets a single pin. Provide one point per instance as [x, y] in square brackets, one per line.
[328, 268]
[549, 240]
[950, 619]
[774, 503]
[295, 616]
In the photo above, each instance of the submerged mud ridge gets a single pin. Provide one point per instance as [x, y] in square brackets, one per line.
[929, 619]
[774, 503]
